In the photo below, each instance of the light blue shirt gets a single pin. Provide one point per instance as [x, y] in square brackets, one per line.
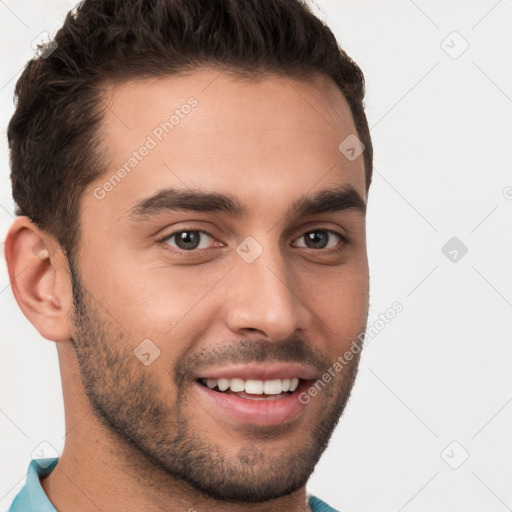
[32, 497]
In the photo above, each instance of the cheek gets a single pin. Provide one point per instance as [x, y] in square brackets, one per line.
[154, 291]
[170, 294]
[171, 307]
[341, 305]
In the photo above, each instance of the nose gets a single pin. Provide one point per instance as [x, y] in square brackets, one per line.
[262, 297]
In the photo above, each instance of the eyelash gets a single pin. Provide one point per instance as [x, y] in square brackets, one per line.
[173, 250]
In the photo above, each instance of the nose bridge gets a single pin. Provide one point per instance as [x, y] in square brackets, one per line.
[262, 295]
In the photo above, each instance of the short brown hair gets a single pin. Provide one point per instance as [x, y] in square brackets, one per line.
[54, 141]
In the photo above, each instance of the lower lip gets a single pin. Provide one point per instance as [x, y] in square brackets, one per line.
[254, 412]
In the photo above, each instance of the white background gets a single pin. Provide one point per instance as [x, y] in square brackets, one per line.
[441, 370]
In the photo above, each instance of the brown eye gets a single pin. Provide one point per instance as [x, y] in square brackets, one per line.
[321, 239]
[188, 240]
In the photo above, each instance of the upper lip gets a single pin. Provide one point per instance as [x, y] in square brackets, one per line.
[259, 371]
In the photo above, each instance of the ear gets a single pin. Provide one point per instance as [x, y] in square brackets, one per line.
[40, 279]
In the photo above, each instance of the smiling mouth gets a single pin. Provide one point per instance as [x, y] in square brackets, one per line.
[252, 389]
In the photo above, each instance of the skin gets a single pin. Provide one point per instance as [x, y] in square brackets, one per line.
[266, 143]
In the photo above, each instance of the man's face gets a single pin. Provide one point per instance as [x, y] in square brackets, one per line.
[259, 292]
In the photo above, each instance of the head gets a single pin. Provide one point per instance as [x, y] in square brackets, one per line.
[189, 216]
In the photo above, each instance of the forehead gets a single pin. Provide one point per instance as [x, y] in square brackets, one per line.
[142, 98]
[215, 132]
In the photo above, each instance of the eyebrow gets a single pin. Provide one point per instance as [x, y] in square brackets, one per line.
[329, 200]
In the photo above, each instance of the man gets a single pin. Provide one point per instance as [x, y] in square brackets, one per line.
[191, 181]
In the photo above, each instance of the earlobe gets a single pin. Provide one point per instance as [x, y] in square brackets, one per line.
[39, 278]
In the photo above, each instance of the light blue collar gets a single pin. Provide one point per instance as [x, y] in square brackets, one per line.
[32, 496]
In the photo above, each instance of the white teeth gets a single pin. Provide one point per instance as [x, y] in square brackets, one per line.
[237, 385]
[223, 384]
[254, 387]
[272, 387]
